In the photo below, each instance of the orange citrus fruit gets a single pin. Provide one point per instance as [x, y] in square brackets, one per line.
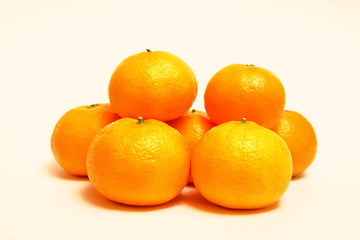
[74, 132]
[241, 165]
[300, 137]
[137, 162]
[193, 125]
[245, 91]
[154, 85]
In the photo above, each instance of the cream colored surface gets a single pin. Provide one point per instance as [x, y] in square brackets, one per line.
[55, 55]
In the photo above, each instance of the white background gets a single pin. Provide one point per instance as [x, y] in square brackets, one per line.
[56, 55]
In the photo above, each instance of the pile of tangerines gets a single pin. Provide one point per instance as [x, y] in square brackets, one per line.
[144, 146]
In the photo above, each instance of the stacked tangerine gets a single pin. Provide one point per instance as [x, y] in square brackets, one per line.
[144, 146]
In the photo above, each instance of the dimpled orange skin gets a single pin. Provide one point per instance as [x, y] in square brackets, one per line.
[299, 135]
[139, 164]
[240, 91]
[193, 125]
[241, 166]
[74, 132]
[154, 85]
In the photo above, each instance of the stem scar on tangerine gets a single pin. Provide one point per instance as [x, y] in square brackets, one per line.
[92, 105]
[140, 120]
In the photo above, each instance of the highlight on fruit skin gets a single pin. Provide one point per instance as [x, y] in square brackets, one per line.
[241, 165]
[154, 85]
[300, 137]
[138, 162]
[74, 132]
[192, 125]
[239, 90]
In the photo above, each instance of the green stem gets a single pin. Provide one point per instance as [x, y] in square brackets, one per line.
[243, 120]
[148, 50]
[250, 65]
[141, 120]
[92, 105]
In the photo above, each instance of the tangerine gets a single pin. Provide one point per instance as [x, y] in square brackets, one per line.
[74, 132]
[154, 85]
[299, 135]
[138, 162]
[245, 91]
[241, 165]
[193, 125]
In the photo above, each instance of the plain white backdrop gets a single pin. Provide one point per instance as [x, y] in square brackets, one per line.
[56, 55]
